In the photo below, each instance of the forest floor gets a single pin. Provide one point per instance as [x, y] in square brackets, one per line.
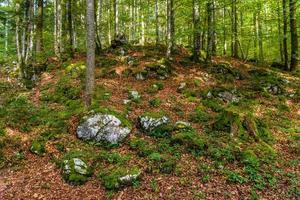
[260, 162]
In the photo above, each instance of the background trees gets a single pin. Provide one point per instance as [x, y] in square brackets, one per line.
[253, 30]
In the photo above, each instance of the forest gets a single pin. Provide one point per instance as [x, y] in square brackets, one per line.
[149, 99]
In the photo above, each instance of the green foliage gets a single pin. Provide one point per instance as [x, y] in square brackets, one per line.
[235, 177]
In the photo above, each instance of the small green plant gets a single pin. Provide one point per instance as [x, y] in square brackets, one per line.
[162, 163]
[155, 102]
[154, 88]
[235, 177]
[154, 186]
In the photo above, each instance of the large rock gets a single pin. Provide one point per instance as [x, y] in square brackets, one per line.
[103, 127]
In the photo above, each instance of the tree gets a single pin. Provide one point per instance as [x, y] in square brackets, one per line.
[197, 30]
[40, 27]
[90, 41]
[294, 35]
[70, 28]
[170, 28]
[210, 32]
[57, 28]
[285, 37]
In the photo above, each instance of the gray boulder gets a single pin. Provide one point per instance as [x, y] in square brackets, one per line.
[103, 127]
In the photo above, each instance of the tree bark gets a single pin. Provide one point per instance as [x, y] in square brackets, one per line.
[90, 41]
[285, 29]
[70, 28]
[170, 28]
[210, 32]
[197, 30]
[294, 35]
[40, 27]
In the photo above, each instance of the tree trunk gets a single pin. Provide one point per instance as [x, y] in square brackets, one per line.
[90, 41]
[294, 35]
[116, 18]
[197, 30]
[70, 28]
[234, 42]
[285, 29]
[156, 23]
[210, 31]
[260, 38]
[40, 27]
[170, 28]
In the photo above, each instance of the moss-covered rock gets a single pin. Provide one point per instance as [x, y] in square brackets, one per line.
[155, 124]
[115, 178]
[189, 138]
[228, 121]
[38, 147]
[76, 171]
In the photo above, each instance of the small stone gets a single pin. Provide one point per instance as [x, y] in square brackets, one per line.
[134, 95]
[181, 87]
[182, 125]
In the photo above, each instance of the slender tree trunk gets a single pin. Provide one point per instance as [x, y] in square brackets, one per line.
[210, 31]
[294, 35]
[156, 23]
[57, 28]
[90, 40]
[279, 32]
[18, 35]
[70, 28]
[6, 36]
[40, 27]
[214, 38]
[285, 29]
[260, 38]
[116, 18]
[170, 28]
[234, 42]
[197, 30]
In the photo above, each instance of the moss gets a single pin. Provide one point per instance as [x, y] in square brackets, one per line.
[190, 139]
[113, 158]
[124, 120]
[142, 147]
[38, 147]
[21, 114]
[110, 178]
[162, 163]
[229, 122]
[73, 175]
[199, 115]
[161, 131]
[214, 104]
[155, 115]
